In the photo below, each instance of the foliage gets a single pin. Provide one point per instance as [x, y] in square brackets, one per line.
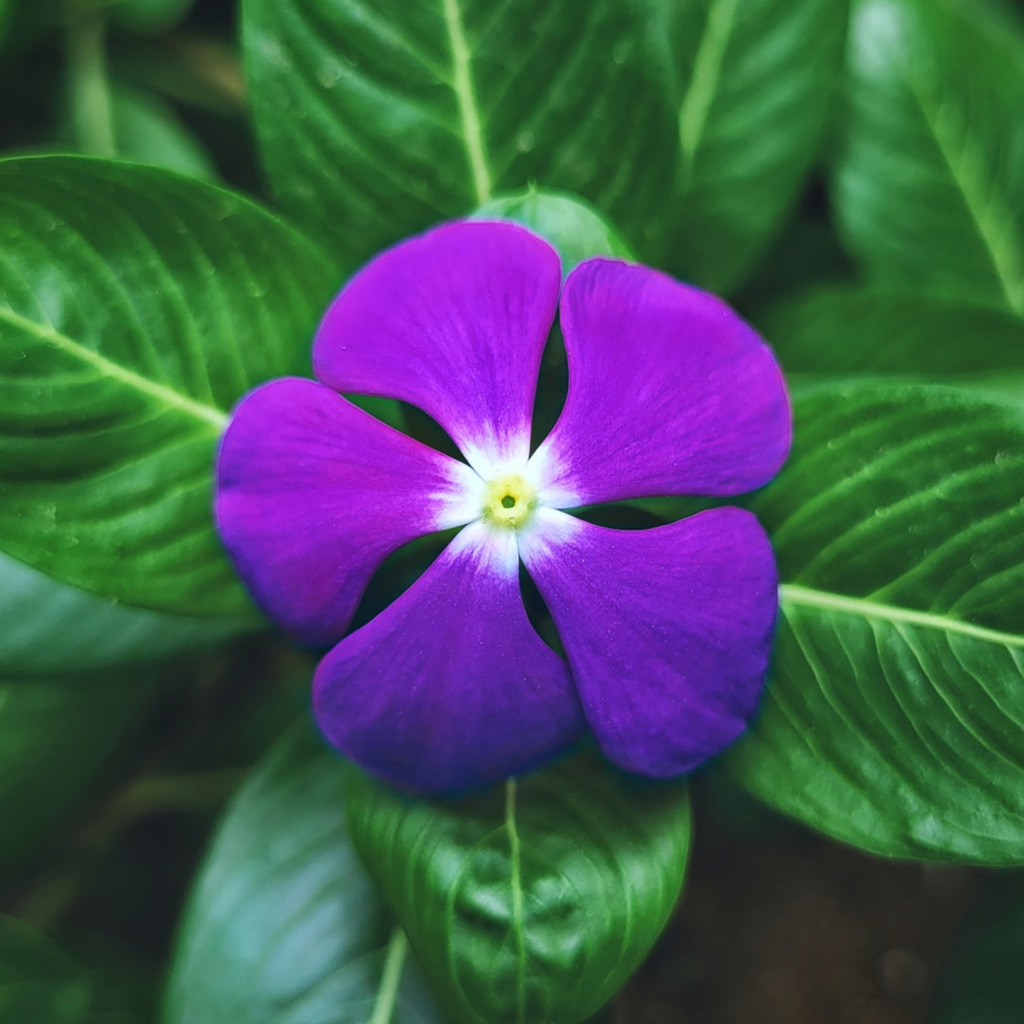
[850, 174]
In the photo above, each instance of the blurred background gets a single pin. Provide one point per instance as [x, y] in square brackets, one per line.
[106, 804]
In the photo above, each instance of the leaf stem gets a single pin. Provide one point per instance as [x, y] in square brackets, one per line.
[391, 977]
[91, 106]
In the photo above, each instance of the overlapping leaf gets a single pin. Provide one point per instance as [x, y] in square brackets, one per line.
[48, 627]
[284, 926]
[136, 306]
[851, 330]
[532, 904]
[895, 719]
[575, 229]
[756, 83]
[377, 118]
[930, 177]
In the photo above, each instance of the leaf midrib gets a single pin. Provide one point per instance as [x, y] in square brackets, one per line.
[809, 597]
[391, 977]
[988, 215]
[516, 884]
[465, 97]
[208, 414]
[707, 69]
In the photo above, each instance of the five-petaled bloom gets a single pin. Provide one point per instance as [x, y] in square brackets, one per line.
[666, 630]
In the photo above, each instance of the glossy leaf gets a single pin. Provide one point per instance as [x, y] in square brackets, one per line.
[284, 925]
[56, 737]
[856, 330]
[534, 903]
[893, 719]
[136, 306]
[38, 982]
[572, 226]
[756, 80]
[48, 627]
[930, 176]
[377, 119]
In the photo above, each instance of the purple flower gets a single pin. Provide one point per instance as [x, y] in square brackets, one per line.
[667, 631]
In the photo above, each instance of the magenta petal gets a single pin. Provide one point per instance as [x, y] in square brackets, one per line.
[667, 631]
[453, 321]
[670, 392]
[450, 687]
[312, 494]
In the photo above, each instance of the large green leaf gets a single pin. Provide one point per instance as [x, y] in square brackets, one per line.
[136, 306]
[930, 178]
[56, 737]
[852, 330]
[48, 627]
[756, 81]
[378, 117]
[39, 984]
[894, 719]
[284, 925]
[534, 903]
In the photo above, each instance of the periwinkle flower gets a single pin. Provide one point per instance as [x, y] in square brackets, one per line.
[666, 630]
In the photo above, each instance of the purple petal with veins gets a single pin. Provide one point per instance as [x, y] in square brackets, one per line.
[313, 493]
[450, 687]
[670, 392]
[454, 322]
[667, 631]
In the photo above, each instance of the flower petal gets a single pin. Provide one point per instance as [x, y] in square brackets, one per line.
[313, 493]
[667, 631]
[670, 392]
[450, 687]
[453, 321]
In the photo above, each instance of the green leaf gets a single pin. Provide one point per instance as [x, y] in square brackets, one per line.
[572, 226]
[376, 118]
[857, 330]
[48, 627]
[756, 83]
[56, 737]
[532, 904]
[38, 982]
[284, 925]
[893, 717]
[136, 307]
[148, 131]
[930, 178]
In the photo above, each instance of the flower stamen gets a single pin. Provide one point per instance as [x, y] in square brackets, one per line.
[509, 501]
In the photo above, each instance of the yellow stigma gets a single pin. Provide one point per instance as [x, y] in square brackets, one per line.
[509, 500]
